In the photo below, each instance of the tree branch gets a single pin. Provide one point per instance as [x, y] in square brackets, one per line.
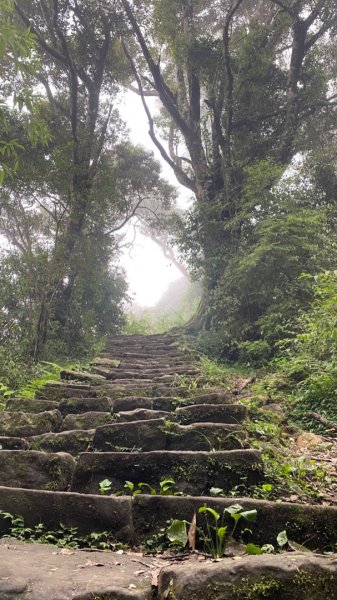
[179, 173]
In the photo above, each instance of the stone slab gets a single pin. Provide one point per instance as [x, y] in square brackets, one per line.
[83, 405]
[32, 405]
[21, 424]
[211, 413]
[88, 420]
[13, 443]
[159, 434]
[36, 470]
[286, 576]
[194, 472]
[43, 572]
[310, 525]
[141, 414]
[86, 512]
[141, 435]
[72, 442]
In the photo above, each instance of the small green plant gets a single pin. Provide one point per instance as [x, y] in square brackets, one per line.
[105, 486]
[173, 536]
[219, 534]
[63, 537]
[166, 488]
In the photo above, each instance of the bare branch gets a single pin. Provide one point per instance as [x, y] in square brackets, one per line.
[179, 173]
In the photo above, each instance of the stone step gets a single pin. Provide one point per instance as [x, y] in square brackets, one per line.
[43, 572]
[214, 413]
[154, 374]
[88, 513]
[21, 424]
[151, 403]
[56, 390]
[83, 405]
[194, 472]
[140, 414]
[72, 442]
[294, 576]
[133, 520]
[88, 420]
[105, 362]
[13, 443]
[158, 434]
[36, 470]
[168, 403]
[32, 405]
[71, 375]
[117, 391]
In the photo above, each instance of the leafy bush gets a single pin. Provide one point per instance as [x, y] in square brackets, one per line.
[309, 359]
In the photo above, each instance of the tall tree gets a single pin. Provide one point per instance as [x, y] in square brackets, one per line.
[242, 83]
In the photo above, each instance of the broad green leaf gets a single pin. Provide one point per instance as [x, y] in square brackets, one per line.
[253, 549]
[249, 515]
[177, 533]
[282, 538]
[234, 508]
[268, 548]
[221, 532]
[207, 509]
[214, 491]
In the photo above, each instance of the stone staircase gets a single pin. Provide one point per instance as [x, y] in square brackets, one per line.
[137, 416]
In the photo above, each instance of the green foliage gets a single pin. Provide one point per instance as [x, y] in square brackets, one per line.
[308, 361]
[220, 534]
[64, 537]
[166, 488]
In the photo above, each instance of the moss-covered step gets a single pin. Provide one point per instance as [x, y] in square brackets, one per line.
[88, 420]
[83, 405]
[313, 526]
[193, 472]
[100, 361]
[211, 397]
[288, 576]
[205, 436]
[140, 414]
[86, 512]
[147, 402]
[159, 434]
[71, 442]
[211, 413]
[36, 470]
[72, 375]
[114, 390]
[13, 443]
[137, 435]
[31, 405]
[21, 424]
[56, 390]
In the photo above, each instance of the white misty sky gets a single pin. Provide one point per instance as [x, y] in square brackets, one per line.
[148, 271]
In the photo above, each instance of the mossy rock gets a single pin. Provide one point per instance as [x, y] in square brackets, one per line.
[22, 424]
[36, 470]
[71, 442]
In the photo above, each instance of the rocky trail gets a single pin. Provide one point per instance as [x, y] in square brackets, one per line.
[135, 418]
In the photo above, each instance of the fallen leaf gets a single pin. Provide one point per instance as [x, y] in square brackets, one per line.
[191, 534]
[119, 552]
[66, 552]
[140, 572]
[132, 586]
